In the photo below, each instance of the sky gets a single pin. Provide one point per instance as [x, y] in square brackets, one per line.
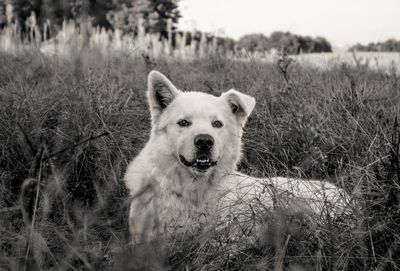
[342, 22]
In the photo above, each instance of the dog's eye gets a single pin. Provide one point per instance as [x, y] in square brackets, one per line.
[217, 124]
[183, 123]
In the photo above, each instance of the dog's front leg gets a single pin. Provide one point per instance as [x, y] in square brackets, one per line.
[144, 222]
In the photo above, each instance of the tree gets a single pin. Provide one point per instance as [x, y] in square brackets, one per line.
[306, 44]
[390, 45]
[285, 40]
[292, 44]
[254, 42]
[156, 15]
[98, 12]
[322, 45]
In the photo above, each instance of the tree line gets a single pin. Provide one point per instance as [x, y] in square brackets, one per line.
[154, 16]
[123, 14]
[294, 44]
[390, 45]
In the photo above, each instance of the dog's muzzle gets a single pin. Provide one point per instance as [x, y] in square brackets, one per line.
[201, 163]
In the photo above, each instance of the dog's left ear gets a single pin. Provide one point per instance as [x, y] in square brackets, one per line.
[161, 93]
[241, 105]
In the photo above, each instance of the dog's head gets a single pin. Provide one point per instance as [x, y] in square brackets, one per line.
[202, 131]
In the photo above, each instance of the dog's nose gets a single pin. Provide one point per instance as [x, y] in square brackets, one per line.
[203, 142]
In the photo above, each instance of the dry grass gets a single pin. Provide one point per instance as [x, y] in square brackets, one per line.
[70, 39]
[69, 125]
[381, 61]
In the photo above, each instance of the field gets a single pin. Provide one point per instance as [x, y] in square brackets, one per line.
[70, 124]
[381, 61]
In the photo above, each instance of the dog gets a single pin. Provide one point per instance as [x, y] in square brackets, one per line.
[187, 169]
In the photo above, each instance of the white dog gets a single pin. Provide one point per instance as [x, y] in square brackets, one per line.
[187, 168]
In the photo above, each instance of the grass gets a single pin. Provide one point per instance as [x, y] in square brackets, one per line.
[381, 61]
[70, 39]
[69, 126]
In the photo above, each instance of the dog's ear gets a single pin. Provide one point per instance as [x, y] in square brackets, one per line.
[241, 105]
[160, 93]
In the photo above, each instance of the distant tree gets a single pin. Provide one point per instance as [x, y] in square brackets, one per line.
[293, 44]
[254, 42]
[98, 12]
[285, 40]
[390, 45]
[321, 45]
[306, 44]
[359, 47]
[156, 14]
[122, 16]
[228, 44]
[55, 11]
[276, 39]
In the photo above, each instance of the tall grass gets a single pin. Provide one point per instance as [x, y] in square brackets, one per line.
[69, 126]
[73, 35]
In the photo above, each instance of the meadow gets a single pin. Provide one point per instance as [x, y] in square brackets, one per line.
[72, 120]
[381, 61]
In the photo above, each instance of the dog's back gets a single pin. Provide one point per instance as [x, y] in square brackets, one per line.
[238, 191]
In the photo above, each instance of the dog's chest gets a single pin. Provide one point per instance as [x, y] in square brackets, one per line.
[183, 202]
[187, 211]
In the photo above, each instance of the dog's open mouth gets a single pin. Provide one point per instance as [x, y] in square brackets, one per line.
[201, 164]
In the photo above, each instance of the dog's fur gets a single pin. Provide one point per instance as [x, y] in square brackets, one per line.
[173, 183]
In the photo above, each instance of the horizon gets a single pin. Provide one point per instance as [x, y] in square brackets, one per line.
[361, 21]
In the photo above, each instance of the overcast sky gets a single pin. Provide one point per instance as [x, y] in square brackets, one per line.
[342, 22]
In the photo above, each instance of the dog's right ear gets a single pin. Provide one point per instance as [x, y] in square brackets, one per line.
[160, 93]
